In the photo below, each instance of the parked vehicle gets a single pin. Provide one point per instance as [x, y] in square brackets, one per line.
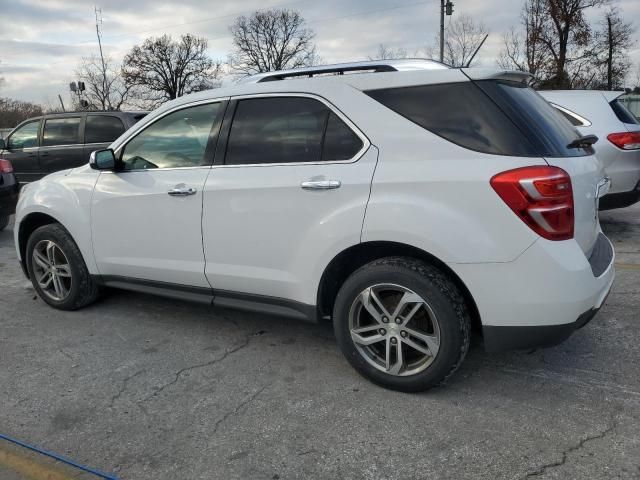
[49, 143]
[602, 114]
[406, 203]
[9, 189]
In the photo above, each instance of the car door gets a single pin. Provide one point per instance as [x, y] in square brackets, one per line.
[146, 216]
[291, 192]
[22, 151]
[100, 131]
[61, 145]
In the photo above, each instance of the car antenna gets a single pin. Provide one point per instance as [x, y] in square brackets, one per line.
[477, 49]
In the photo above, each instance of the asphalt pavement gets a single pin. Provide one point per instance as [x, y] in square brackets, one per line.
[148, 388]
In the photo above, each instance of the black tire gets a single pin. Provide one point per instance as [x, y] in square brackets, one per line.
[444, 299]
[4, 221]
[83, 289]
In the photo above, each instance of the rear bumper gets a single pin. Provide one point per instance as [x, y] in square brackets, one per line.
[8, 198]
[542, 297]
[498, 339]
[620, 199]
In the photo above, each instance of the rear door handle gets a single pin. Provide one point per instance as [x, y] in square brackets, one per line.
[182, 191]
[321, 185]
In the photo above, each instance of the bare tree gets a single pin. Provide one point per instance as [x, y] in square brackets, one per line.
[462, 37]
[386, 53]
[104, 91]
[613, 40]
[12, 112]
[271, 40]
[162, 69]
[525, 50]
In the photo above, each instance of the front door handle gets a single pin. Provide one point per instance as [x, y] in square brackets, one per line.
[182, 191]
[321, 185]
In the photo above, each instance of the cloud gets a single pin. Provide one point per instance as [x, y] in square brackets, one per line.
[42, 41]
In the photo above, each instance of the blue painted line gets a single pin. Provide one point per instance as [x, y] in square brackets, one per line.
[60, 458]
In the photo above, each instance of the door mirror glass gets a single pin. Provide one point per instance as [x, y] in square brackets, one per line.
[103, 160]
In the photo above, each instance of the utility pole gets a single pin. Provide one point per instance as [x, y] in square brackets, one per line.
[445, 7]
[98, 12]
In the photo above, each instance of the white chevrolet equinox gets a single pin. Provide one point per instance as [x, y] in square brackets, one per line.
[405, 201]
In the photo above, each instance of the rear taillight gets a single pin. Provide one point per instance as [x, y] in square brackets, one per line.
[541, 196]
[625, 140]
[5, 166]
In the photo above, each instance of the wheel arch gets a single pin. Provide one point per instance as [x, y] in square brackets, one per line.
[28, 225]
[356, 256]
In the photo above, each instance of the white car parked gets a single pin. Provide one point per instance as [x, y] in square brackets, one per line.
[602, 114]
[407, 203]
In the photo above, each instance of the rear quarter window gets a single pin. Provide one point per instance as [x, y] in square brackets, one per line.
[485, 116]
[623, 113]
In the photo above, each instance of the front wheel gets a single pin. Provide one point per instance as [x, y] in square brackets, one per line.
[402, 323]
[57, 270]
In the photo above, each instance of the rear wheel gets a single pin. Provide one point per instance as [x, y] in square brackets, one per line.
[57, 269]
[402, 324]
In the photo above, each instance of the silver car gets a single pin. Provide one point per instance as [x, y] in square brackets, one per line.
[602, 114]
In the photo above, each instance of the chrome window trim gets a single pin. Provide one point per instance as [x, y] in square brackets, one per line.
[366, 143]
[584, 122]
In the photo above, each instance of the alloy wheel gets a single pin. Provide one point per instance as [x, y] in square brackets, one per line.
[394, 329]
[51, 270]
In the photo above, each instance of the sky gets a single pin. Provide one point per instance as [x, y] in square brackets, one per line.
[43, 41]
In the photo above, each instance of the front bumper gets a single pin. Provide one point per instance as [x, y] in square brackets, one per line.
[527, 303]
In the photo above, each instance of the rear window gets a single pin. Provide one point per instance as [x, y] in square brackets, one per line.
[102, 129]
[486, 116]
[623, 113]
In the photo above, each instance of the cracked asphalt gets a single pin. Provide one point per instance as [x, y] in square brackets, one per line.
[150, 388]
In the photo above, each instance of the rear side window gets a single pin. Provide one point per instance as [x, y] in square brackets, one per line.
[623, 113]
[574, 120]
[288, 130]
[483, 116]
[102, 129]
[61, 131]
[340, 142]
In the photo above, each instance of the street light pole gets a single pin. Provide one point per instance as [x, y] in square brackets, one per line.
[442, 30]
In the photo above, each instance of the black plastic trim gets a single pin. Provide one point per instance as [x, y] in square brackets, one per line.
[601, 255]
[498, 338]
[620, 200]
[217, 298]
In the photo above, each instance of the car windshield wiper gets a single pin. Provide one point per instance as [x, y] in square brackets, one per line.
[583, 142]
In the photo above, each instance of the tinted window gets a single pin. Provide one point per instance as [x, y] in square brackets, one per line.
[340, 142]
[177, 140]
[623, 113]
[549, 132]
[460, 113]
[24, 137]
[276, 130]
[102, 129]
[61, 131]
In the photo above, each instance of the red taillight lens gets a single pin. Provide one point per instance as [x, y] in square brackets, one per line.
[541, 196]
[5, 166]
[625, 140]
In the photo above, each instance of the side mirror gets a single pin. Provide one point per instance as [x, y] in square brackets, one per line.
[103, 160]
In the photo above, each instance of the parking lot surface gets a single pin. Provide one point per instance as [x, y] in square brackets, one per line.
[149, 388]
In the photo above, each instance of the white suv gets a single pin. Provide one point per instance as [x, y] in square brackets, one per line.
[407, 203]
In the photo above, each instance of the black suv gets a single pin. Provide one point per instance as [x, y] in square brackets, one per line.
[53, 142]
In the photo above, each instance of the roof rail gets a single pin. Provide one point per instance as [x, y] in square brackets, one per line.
[371, 66]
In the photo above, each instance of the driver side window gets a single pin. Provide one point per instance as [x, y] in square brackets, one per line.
[25, 137]
[176, 140]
